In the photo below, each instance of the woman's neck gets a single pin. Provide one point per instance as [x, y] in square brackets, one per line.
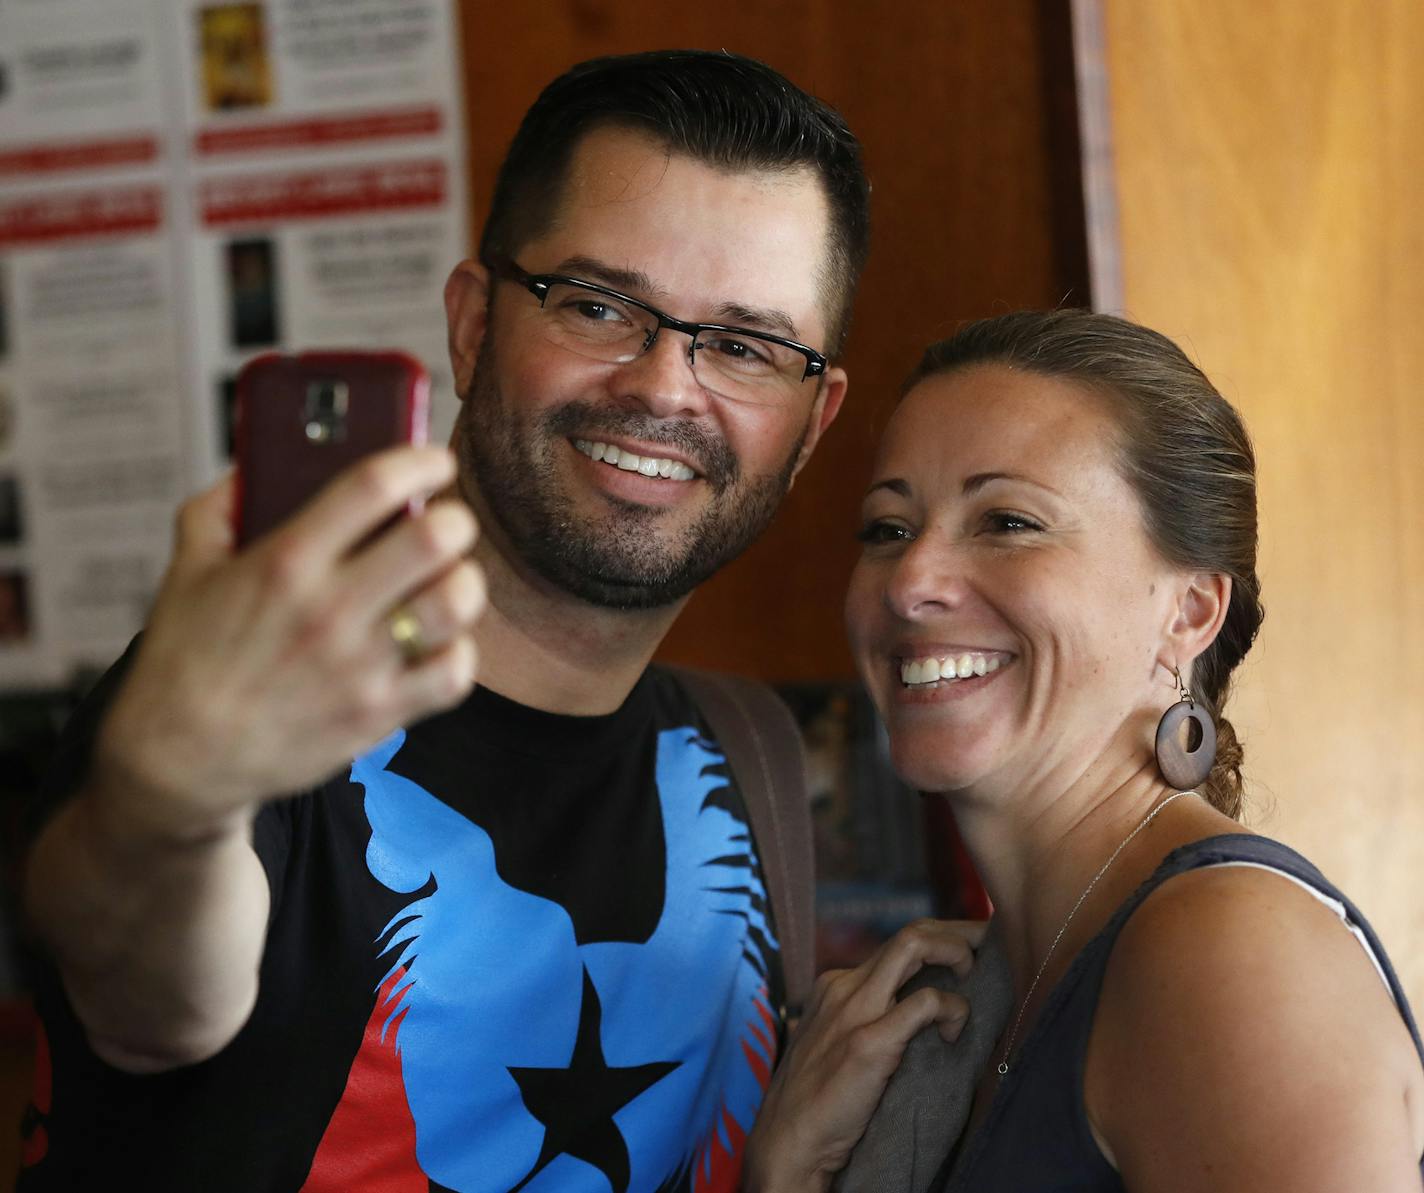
[1038, 841]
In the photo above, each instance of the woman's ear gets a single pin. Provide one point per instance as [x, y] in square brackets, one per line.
[467, 295]
[1202, 602]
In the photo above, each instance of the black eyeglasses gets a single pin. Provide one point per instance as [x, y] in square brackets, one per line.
[602, 324]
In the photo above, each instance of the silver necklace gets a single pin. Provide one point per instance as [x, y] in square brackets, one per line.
[1087, 890]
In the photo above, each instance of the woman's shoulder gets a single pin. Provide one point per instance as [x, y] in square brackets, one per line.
[1237, 995]
[1240, 916]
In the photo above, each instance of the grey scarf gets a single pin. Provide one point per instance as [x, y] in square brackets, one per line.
[926, 1105]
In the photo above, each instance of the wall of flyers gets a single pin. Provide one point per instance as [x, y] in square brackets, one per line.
[184, 184]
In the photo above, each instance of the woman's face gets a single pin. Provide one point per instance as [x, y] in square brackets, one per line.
[1000, 541]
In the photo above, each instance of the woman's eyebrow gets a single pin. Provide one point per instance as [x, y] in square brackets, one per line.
[972, 484]
[894, 484]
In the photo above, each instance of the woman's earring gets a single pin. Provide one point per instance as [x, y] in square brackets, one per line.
[1185, 767]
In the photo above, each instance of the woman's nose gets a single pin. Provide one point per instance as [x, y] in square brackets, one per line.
[927, 578]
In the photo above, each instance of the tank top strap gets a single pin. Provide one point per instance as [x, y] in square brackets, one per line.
[1041, 1099]
[1249, 849]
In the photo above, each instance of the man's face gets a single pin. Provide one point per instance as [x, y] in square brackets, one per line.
[539, 423]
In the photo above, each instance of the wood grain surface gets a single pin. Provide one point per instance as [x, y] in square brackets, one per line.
[966, 114]
[1268, 157]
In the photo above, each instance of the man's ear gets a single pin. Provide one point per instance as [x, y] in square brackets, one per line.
[1202, 602]
[467, 295]
[829, 396]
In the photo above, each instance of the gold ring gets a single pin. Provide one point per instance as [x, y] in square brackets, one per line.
[406, 633]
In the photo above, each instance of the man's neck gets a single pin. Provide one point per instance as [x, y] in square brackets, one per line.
[549, 650]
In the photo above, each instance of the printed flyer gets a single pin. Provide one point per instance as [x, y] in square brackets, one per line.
[183, 185]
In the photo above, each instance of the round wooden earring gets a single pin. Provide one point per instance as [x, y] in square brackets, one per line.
[1186, 768]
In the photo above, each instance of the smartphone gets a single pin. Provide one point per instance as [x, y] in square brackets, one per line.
[302, 418]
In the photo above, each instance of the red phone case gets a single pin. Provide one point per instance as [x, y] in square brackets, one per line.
[282, 460]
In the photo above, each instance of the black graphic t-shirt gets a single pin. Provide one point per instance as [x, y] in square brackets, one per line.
[508, 950]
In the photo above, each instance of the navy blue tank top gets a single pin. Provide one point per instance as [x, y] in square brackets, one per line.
[1036, 1136]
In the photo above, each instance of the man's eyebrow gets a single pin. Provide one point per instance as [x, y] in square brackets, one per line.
[638, 284]
[972, 484]
[758, 319]
[591, 269]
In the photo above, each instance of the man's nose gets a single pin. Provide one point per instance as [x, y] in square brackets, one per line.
[661, 378]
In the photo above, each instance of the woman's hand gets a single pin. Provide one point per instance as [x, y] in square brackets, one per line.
[845, 1050]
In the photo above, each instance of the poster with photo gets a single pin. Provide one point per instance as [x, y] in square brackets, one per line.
[185, 184]
[236, 67]
[868, 827]
[326, 160]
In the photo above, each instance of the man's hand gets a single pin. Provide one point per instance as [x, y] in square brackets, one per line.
[260, 673]
[263, 671]
[846, 1049]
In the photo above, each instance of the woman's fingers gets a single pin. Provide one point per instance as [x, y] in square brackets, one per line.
[826, 1088]
[881, 1043]
[849, 1045]
[863, 994]
[832, 985]
[973, 931]
[924, 942]
[950, 1012]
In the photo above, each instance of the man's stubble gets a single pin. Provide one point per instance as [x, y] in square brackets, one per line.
[623, 559]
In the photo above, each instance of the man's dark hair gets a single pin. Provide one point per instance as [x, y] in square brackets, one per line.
[731, 112]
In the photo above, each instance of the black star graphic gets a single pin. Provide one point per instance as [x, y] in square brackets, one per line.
[577, 1104]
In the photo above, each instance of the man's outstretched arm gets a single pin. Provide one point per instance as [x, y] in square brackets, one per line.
[260, 672]
[158, 940]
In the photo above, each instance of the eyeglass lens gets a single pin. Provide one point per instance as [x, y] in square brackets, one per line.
[601, 327]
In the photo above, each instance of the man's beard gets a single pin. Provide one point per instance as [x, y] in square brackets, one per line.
[621, 560]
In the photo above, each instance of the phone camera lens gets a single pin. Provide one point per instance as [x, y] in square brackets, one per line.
[325, 413]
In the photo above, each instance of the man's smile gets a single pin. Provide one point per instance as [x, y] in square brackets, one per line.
[629, 461]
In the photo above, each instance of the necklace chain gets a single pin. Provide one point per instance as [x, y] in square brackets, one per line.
[1087, 890]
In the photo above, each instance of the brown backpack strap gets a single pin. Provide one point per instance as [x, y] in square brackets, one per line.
[763, 745]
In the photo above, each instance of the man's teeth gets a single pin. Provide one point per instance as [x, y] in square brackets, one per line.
[673, 470]
[932, 670]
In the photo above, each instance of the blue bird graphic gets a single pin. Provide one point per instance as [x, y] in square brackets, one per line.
[496, 1001]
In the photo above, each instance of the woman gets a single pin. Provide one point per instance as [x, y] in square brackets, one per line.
[1058, 548]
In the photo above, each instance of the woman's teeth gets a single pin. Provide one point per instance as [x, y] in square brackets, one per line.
[915, 672]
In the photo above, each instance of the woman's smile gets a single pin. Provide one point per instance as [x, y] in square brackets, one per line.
[1004, 567]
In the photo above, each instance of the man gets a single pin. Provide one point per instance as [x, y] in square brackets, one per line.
[521, 942]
